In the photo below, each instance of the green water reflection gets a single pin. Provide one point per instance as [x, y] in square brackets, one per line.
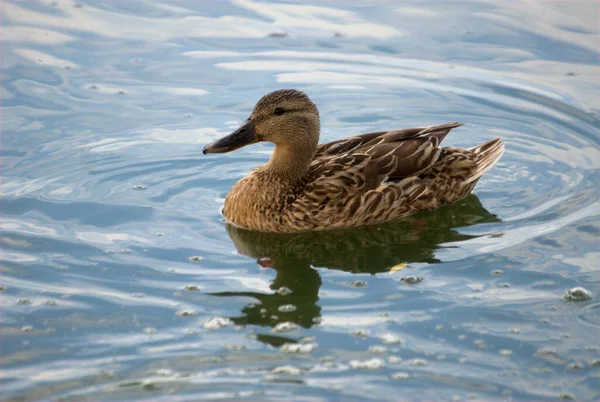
[372, 249]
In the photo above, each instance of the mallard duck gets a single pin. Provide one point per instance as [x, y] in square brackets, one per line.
[361, 180]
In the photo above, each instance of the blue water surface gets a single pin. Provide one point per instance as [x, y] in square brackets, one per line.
[120, 281]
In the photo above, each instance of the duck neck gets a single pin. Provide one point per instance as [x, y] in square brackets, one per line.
[290, 161]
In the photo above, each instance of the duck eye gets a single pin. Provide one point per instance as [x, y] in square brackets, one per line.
[279, 111]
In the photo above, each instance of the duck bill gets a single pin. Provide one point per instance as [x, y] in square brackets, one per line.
[243, 136]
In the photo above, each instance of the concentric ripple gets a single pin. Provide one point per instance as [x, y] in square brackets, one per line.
[119, 279]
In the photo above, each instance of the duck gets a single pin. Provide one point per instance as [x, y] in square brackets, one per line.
[357, 181]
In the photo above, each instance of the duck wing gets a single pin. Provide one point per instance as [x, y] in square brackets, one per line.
[366, 179]
[350, 190]
[394, 154]
[377, 177]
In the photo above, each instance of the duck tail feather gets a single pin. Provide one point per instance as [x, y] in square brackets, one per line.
[487, 155]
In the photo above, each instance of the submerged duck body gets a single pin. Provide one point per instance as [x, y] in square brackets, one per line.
[361, 180]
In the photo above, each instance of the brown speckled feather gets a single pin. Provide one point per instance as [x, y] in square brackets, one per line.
[361, 180]
[370, 179]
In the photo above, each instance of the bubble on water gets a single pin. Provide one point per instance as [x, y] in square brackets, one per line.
[359, 333]
[284, 291]
[371, 364]
[394, 360]
[232, 347]
[390, 338]
[462, 337]
[546, 351]
[307, 339]
[411, 280]
[358, 284]
[418, 362]
[27, 328]
[287, 326]
[480, 343]
[287, 308]
[329, 363]
[377, 349]
[63, 267]
[24, 301]
[506, 352]
[514, 330]
[50, 330]
[439, 327]
[274, 317]
[191, 288]
[217, 323]
[298, 348]
[577, 294]
[400, 375]
[186, 312]
[149, 330]
[125, 251]
[195, 258]
[286, 370]
[140, 187]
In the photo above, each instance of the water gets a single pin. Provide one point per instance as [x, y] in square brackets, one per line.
[120, 281]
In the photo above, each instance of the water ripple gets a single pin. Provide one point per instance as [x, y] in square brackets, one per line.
[120, 280]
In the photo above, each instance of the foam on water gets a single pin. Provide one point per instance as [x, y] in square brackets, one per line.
[119, 279]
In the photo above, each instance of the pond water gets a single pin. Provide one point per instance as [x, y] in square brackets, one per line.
[120, 280]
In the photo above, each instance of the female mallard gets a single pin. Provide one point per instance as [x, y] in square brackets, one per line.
[362, 180]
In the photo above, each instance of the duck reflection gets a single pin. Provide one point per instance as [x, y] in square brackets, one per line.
[371, 249]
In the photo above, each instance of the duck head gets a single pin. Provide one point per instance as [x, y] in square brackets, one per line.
[287, 118]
